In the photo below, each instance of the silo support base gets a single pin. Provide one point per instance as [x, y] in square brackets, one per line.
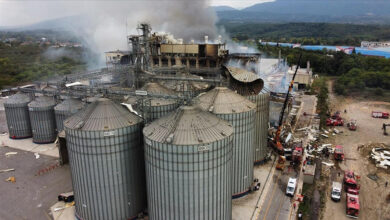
[16, 138]
[43, 142]
[260, 162]
[241, 194]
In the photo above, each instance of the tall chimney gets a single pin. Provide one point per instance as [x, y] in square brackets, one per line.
[206, 39]
[308, 66]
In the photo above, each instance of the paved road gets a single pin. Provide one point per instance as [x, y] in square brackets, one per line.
[277, 204]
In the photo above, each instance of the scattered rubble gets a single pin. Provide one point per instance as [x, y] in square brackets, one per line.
[8, 154]
[378, 152]
[11, 179]
[7, 170]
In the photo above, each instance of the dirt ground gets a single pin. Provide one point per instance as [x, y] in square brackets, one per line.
[372, 194]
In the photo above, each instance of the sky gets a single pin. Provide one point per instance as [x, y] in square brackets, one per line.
[22, 12]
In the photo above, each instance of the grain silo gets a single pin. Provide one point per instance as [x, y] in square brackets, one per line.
[240, 112]
[106, 159]
[155, 108]
[66, 109]
[261, 125]
[249, 85]
[18, 119]
[43, 123]
[188, 157]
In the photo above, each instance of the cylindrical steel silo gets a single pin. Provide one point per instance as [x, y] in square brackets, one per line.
[240, 112]
[18, 119]
[42, 119]
[66, 109]
[106, 158]
[155, 108]
[261, 125]
[188, 157]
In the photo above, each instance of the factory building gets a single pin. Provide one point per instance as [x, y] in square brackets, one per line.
[206, 118]
[304, 77]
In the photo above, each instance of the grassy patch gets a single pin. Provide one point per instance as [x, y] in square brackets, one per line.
[305, 206]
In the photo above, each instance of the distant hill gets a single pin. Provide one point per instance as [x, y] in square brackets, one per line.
[336, 11]
[59, 24]
[223, 8]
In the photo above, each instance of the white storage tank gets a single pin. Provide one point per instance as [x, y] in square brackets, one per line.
[188, 157]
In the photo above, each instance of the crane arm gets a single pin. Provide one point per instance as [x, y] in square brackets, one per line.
[277, 135]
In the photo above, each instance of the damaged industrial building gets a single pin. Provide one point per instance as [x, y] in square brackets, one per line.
[169, 130]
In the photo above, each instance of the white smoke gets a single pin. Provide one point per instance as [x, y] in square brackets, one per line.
[103, 25]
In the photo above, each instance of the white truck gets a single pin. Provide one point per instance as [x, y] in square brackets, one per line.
[336, 191]
[291, 185]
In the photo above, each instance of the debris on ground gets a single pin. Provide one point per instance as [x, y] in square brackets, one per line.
[36, 155]
[7, 170]
[373, 176]
[11, 179]
[67, 205]
[379, 153]
[328, 164]
[8, 154]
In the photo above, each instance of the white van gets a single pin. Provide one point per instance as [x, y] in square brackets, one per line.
[336, 191]
[291, 185]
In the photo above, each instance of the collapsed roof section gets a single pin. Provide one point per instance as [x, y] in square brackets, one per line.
[246, 83]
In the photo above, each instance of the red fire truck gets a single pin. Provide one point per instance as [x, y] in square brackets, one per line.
[353, 206]
[375, 114]
[350, 181]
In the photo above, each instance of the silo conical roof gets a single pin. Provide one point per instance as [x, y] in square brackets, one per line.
[18, 98]
[42, 102]
[69, 105]
[157, 89]
[188, 126]
[222, 100]
[102, 115]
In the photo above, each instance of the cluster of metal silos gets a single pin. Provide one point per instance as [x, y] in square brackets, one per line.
[106, 159]
[155, 108]
[188, 157]
[43, 123]
[261, 125]
[240, 113]
[65, 109]
[18, 119]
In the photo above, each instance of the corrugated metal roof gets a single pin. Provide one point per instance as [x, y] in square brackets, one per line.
[42, 101]
[222, 100]
[18, 98]
[242, 75]
[188, 125]
[69, 105]
[102, 115]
